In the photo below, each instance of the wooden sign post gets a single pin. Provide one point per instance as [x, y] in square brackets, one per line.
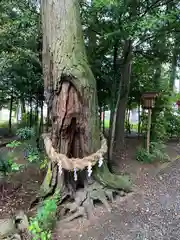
[148, 103]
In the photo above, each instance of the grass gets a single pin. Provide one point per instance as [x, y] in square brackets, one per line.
[134, 127]
[3, 124]
[106, 123]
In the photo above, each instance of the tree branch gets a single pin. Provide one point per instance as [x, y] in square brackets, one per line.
[153, 5]
[158, 35]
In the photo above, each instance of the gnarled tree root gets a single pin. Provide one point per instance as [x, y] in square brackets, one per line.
[102, 189]
[112, 181]
[84, 202]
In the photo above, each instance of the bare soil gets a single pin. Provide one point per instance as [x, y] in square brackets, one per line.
[19, 190]
[141, 174]
[151, 213]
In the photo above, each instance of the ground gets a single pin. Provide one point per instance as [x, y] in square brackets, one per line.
[145, 213]
[133, 217]
[151, 214]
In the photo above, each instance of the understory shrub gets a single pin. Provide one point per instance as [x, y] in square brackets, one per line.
[7, 163]
[42, 224]
[32, 153]
[173, 124]
[25, 133]
[159, 129]
[157, 152]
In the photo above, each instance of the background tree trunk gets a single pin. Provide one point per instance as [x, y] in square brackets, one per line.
[10, 113]
[119, 117]
[31, 112]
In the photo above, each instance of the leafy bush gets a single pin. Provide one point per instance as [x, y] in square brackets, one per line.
[13, 144]
[44, 163]
[159, 129]
[158, 149]
[25, 133]
[42, 224]
[173, 124]
[32, 153]
[143, 156]
[5, 166]
[157, 152]
[7, 163]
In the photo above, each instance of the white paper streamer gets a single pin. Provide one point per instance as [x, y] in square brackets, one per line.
[75, 174]
[60, 168]
[100, 162]
[89, 169]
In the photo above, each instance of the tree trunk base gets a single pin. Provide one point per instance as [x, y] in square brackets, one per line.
[101, 187]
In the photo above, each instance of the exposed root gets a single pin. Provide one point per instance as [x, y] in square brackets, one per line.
[112, 181]
[80, 212]
[83, 203]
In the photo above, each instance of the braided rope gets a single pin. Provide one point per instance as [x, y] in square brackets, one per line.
[73, 163]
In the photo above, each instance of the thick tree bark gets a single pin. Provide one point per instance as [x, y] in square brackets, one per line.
[70, 90]
[69, 82]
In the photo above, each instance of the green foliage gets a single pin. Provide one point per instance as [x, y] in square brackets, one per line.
[13, 144]
[143, 156]
[157, 152]
[44, 163]
[7, 163]
[173, 124]
[25, 133]
[106, 124]
[42, 224]
[32, 153]
[152, 26]
[160, 129]
[20, 40]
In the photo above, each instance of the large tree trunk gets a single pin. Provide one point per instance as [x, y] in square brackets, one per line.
[70, 90]
[75, 125]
